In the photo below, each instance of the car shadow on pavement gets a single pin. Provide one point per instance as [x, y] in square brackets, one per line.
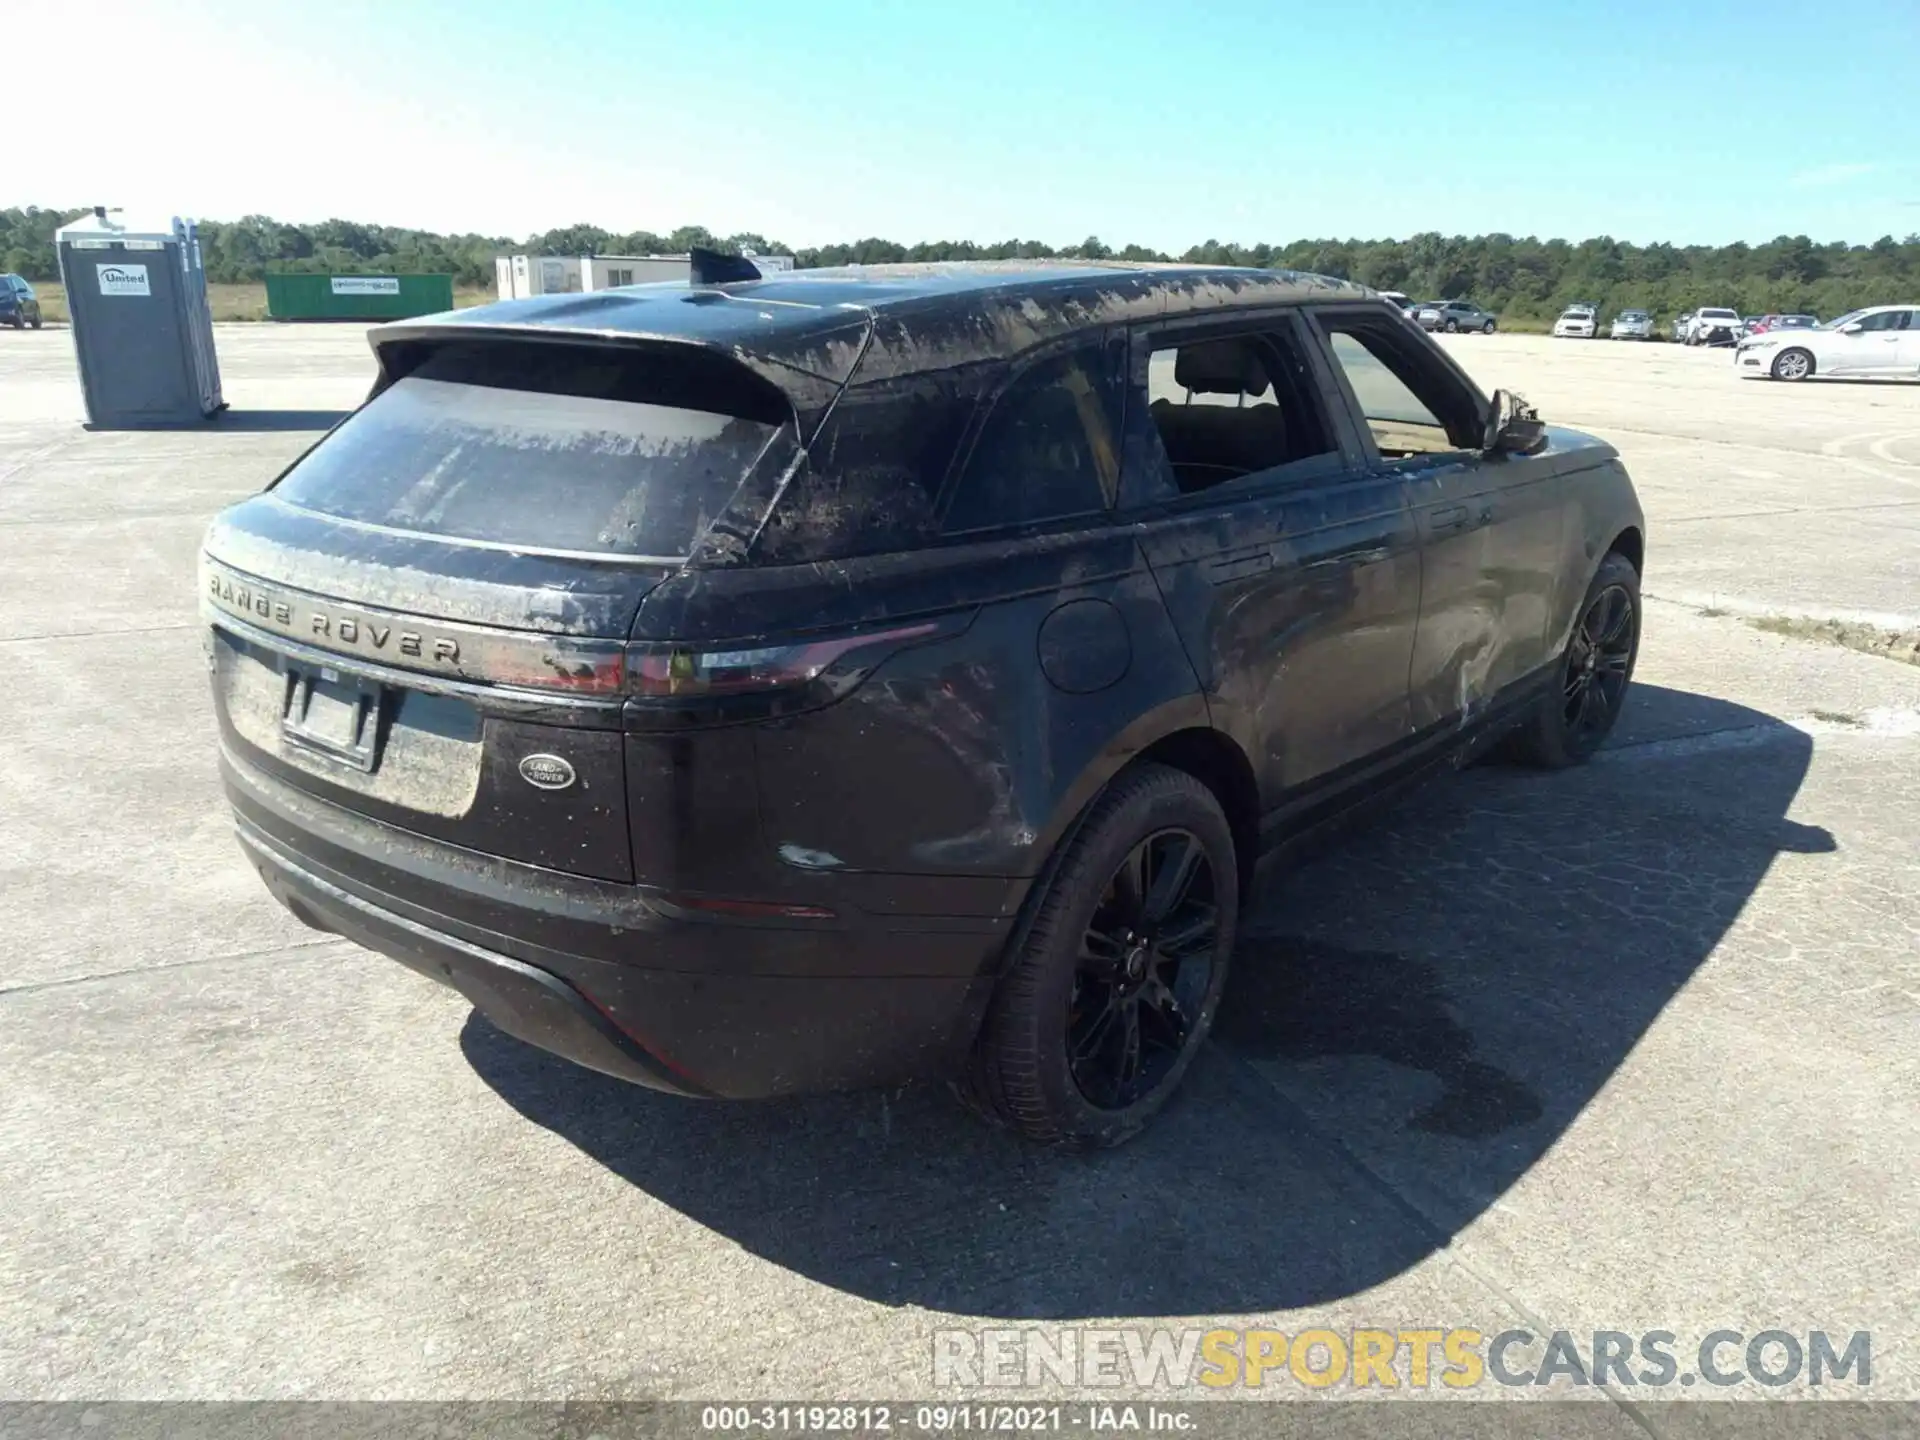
[277, 420]
[1414, 1020]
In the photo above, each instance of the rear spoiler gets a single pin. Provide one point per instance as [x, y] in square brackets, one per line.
[808, 375]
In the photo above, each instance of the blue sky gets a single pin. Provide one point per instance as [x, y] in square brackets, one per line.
[820, 120]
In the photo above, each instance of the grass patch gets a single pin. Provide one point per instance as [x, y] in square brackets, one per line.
[1903, 645]
[229, 303]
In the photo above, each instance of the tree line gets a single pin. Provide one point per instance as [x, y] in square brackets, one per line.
[1519, 277]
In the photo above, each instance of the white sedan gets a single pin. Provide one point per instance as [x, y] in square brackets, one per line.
[1880, 340]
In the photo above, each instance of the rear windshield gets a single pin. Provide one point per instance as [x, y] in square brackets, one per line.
[543, 448]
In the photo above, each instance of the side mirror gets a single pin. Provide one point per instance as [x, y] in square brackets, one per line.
[1513, 426]
[1854, 329]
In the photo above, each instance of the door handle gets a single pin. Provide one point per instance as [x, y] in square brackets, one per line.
[1448, 519]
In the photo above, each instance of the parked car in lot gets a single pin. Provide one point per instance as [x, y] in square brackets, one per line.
[1681, 324]
[1577, 322]
[1632, 325]
[1713, 325]
[1784, 322]
[1396, 298]
[1881, 340]
[901, 672]
[19, 306]
[1453, 316]
[1748, 322]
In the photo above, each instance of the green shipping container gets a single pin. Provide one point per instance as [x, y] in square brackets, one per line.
[357, 297]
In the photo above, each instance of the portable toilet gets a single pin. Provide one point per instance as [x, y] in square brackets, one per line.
[142, 329]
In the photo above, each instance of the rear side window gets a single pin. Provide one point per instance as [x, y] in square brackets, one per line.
[1048, 449]
[874, 471]
[548, 448]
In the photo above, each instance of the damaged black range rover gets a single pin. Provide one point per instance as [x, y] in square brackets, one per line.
[751, 686]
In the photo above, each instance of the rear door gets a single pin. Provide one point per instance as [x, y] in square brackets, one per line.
[1290, 567]
[1491, 530]
[1909, 346]
[1881, 345]
[424, 619]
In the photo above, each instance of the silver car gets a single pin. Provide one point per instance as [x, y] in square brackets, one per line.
[1632, 325]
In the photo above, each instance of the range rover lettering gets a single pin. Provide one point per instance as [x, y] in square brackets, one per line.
[747, 686]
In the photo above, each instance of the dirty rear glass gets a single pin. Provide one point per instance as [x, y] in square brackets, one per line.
[545, 448]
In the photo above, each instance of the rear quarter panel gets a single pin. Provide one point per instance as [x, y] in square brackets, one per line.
[966, 757]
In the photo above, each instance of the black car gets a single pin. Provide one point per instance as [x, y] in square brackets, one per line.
[750, 686]
[19, 306]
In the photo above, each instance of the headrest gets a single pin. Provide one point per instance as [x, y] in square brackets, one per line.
[1220, 367]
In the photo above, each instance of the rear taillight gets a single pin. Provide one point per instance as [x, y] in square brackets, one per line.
[576, 667]
[674, 672]
[675, 685]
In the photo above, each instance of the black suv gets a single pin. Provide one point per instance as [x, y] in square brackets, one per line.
[748, 686]
[19, 306]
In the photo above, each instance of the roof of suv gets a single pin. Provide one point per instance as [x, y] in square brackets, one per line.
[815, 324]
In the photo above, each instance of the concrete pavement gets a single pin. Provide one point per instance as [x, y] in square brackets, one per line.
[1627, 1048]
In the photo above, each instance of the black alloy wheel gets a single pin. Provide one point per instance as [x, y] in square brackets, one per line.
[1598, 664]
[1144, 970]
[1590, 688]
[1116, 968]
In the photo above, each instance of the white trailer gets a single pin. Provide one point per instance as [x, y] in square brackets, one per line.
[519, 277]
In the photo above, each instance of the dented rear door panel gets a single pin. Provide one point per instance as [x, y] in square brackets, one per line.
[1298, 610]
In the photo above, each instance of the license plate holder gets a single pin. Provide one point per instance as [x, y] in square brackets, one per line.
[332, 714]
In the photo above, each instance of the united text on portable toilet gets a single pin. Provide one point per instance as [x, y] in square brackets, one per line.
[142, 330]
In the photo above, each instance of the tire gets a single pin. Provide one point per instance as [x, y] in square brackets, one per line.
[1079, 1004]
[1559, 734]
[1794, 364]
[36, 322]
[1453, 327]
[1487, 329]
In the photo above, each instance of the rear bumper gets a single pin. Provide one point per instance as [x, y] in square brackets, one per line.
[587, 971]
[523, 1000]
